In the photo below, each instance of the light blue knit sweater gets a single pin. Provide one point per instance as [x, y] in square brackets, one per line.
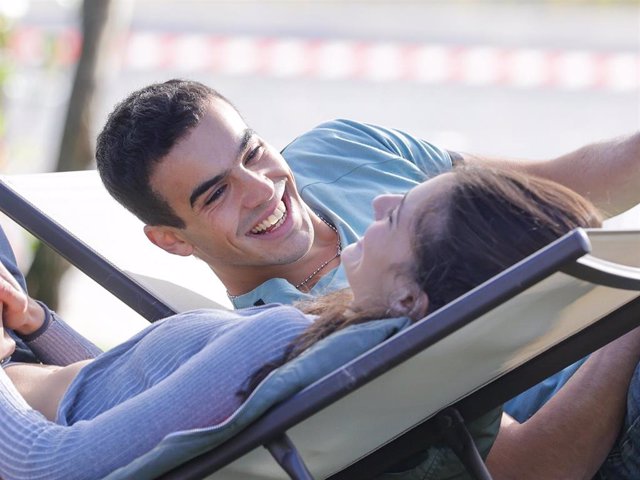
[180, 373]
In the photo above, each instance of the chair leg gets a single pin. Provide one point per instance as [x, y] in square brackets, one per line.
[451, 425]
[284, 452]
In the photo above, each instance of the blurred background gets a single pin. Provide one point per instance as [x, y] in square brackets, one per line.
[513, 78]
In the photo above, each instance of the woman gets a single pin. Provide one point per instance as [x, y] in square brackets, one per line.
[440, 240]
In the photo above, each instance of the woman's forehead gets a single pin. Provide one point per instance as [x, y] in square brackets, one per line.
[429, 191]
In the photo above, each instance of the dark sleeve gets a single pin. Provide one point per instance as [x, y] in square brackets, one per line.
[56, 343]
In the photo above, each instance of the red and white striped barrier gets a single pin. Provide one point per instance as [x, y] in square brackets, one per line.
[350, 60]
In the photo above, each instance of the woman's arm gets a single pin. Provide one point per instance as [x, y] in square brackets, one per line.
[607, 173]
[28, 440]
[180, 374]
[33, 447]
[56, 343]
[571, 435]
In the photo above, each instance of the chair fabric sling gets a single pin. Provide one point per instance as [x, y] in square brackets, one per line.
[602, 312]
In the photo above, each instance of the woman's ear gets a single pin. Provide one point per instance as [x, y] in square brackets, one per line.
[167, 239]
[420, 306]
[412, 303]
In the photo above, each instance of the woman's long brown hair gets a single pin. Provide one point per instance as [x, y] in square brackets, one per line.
[487, 221]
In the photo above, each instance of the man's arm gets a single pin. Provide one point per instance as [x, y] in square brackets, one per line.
[571, 435]
[607, 173]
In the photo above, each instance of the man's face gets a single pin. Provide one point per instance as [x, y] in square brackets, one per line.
[237, 197]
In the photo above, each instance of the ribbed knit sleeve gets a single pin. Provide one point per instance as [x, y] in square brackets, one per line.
[31, 447]
[56, 343]
[178, 374]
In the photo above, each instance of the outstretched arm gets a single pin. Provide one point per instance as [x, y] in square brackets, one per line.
[571, 435]
[607, 173]
[33, 447]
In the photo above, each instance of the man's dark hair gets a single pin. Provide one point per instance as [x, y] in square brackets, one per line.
[141, 130]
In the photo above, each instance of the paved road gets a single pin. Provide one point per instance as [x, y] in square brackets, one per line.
[490, 118]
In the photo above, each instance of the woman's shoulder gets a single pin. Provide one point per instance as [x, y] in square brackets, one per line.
[273, 324]
[274, 320]
[275, 312]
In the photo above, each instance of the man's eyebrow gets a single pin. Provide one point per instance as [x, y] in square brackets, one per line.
[207, 184]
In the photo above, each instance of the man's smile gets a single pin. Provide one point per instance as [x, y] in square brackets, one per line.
[273, 221]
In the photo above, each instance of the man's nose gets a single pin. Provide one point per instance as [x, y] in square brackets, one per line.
[258, 189]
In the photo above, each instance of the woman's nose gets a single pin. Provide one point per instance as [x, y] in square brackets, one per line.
[383, 203]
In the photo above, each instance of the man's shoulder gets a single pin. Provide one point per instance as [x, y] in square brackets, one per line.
[336, 149]
[336, 130]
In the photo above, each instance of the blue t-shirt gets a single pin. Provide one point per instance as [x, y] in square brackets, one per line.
[339, 168]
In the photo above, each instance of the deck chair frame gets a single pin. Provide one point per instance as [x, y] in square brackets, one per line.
[569, 254]
[562, 255]
[79, 254]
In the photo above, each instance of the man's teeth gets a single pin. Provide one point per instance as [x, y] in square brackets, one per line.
[276, 217]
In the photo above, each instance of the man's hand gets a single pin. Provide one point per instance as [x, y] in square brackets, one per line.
[19, 312]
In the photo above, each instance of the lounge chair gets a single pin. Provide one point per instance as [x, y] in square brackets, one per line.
[399, 392]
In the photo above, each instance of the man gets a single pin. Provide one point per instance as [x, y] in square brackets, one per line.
[271, 225]
[181, 158]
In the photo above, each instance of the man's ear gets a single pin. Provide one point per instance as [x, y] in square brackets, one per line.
[411, 302]
[168, 239]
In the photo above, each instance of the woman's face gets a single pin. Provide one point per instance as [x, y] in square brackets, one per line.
[376, 265]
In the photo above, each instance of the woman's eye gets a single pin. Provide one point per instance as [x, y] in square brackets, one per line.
[215, 195]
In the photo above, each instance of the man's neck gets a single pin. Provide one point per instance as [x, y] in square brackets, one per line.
[323, 256]
[320, 259]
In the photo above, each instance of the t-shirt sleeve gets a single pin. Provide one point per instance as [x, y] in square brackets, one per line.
[349, 139]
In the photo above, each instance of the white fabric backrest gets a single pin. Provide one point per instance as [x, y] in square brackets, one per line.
[79, 202]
